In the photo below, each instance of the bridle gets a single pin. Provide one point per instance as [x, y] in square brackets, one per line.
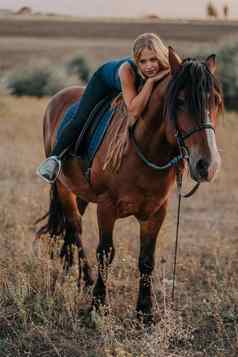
[181, 137]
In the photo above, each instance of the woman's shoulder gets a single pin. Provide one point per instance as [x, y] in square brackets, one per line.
[126, 70]
[118, 63]
[129, 62]
[128, 66]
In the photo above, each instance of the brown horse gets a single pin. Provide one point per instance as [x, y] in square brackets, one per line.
[178, 125]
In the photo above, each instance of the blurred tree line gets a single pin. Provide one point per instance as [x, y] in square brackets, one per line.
[46, 80]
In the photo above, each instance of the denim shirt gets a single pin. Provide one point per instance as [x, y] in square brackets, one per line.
[110, 73]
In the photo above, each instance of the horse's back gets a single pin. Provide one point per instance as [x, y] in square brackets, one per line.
[57, 106]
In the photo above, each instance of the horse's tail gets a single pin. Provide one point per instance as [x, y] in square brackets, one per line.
[57, 221]
[57, 226]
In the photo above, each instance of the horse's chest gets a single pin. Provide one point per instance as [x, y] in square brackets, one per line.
[140, 204]
[143, 198]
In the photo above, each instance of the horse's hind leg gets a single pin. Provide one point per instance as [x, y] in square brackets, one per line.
[148, 235]
[105, 251]
[82, 205]
[73, 208]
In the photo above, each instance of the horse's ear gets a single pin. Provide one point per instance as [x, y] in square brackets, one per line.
[211, 63]
[174, 60]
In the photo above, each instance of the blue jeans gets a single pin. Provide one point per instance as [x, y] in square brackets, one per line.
[96, 90]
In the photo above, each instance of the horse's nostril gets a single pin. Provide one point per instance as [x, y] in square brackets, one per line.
[202, 167]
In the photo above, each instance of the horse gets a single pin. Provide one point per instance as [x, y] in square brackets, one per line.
[176, 129]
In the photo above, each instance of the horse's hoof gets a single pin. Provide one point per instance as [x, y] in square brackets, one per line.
[97, 314]
[95, 318]
[98, 303]
[87, 289]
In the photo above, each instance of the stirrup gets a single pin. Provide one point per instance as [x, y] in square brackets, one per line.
[59, 167]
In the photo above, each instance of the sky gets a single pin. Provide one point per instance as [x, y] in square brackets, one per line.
[164, 8]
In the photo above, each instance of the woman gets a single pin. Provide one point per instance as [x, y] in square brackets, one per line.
[149, 64]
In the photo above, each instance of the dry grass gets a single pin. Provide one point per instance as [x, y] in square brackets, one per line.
[42, 313]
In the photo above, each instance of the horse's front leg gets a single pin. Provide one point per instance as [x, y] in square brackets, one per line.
[105, 250]
[148, 235]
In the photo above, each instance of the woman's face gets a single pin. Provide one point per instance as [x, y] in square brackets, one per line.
[148, 63]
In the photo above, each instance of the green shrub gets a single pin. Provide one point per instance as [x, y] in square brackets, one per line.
[227, 59]
[227, 71]
[59, 79]
[3, 88]
[28, 82]
[211, 10]
[79, 66]
[39, 81]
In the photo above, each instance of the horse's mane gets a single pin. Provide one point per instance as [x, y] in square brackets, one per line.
[197, 82]
[119, 136]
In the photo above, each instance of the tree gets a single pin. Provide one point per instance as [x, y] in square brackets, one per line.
[211, 10]
[226, 11]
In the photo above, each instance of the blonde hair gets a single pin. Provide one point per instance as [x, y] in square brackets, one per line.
[154, 43]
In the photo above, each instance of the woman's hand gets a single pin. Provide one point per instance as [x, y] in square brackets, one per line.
[159, 76]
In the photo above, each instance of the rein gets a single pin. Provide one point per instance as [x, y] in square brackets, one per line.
[179, 181]
[147, 162]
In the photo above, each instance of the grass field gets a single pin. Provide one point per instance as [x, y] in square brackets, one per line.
[42, 313]
[39, 320]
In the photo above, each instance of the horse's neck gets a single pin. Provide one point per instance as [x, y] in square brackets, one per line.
[150, 131]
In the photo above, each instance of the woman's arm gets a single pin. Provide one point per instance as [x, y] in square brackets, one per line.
[135, 102]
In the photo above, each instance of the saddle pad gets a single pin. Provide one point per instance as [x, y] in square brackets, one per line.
[93, 142]
[96, 128]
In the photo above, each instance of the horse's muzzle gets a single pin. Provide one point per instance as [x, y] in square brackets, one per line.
[205, 169]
